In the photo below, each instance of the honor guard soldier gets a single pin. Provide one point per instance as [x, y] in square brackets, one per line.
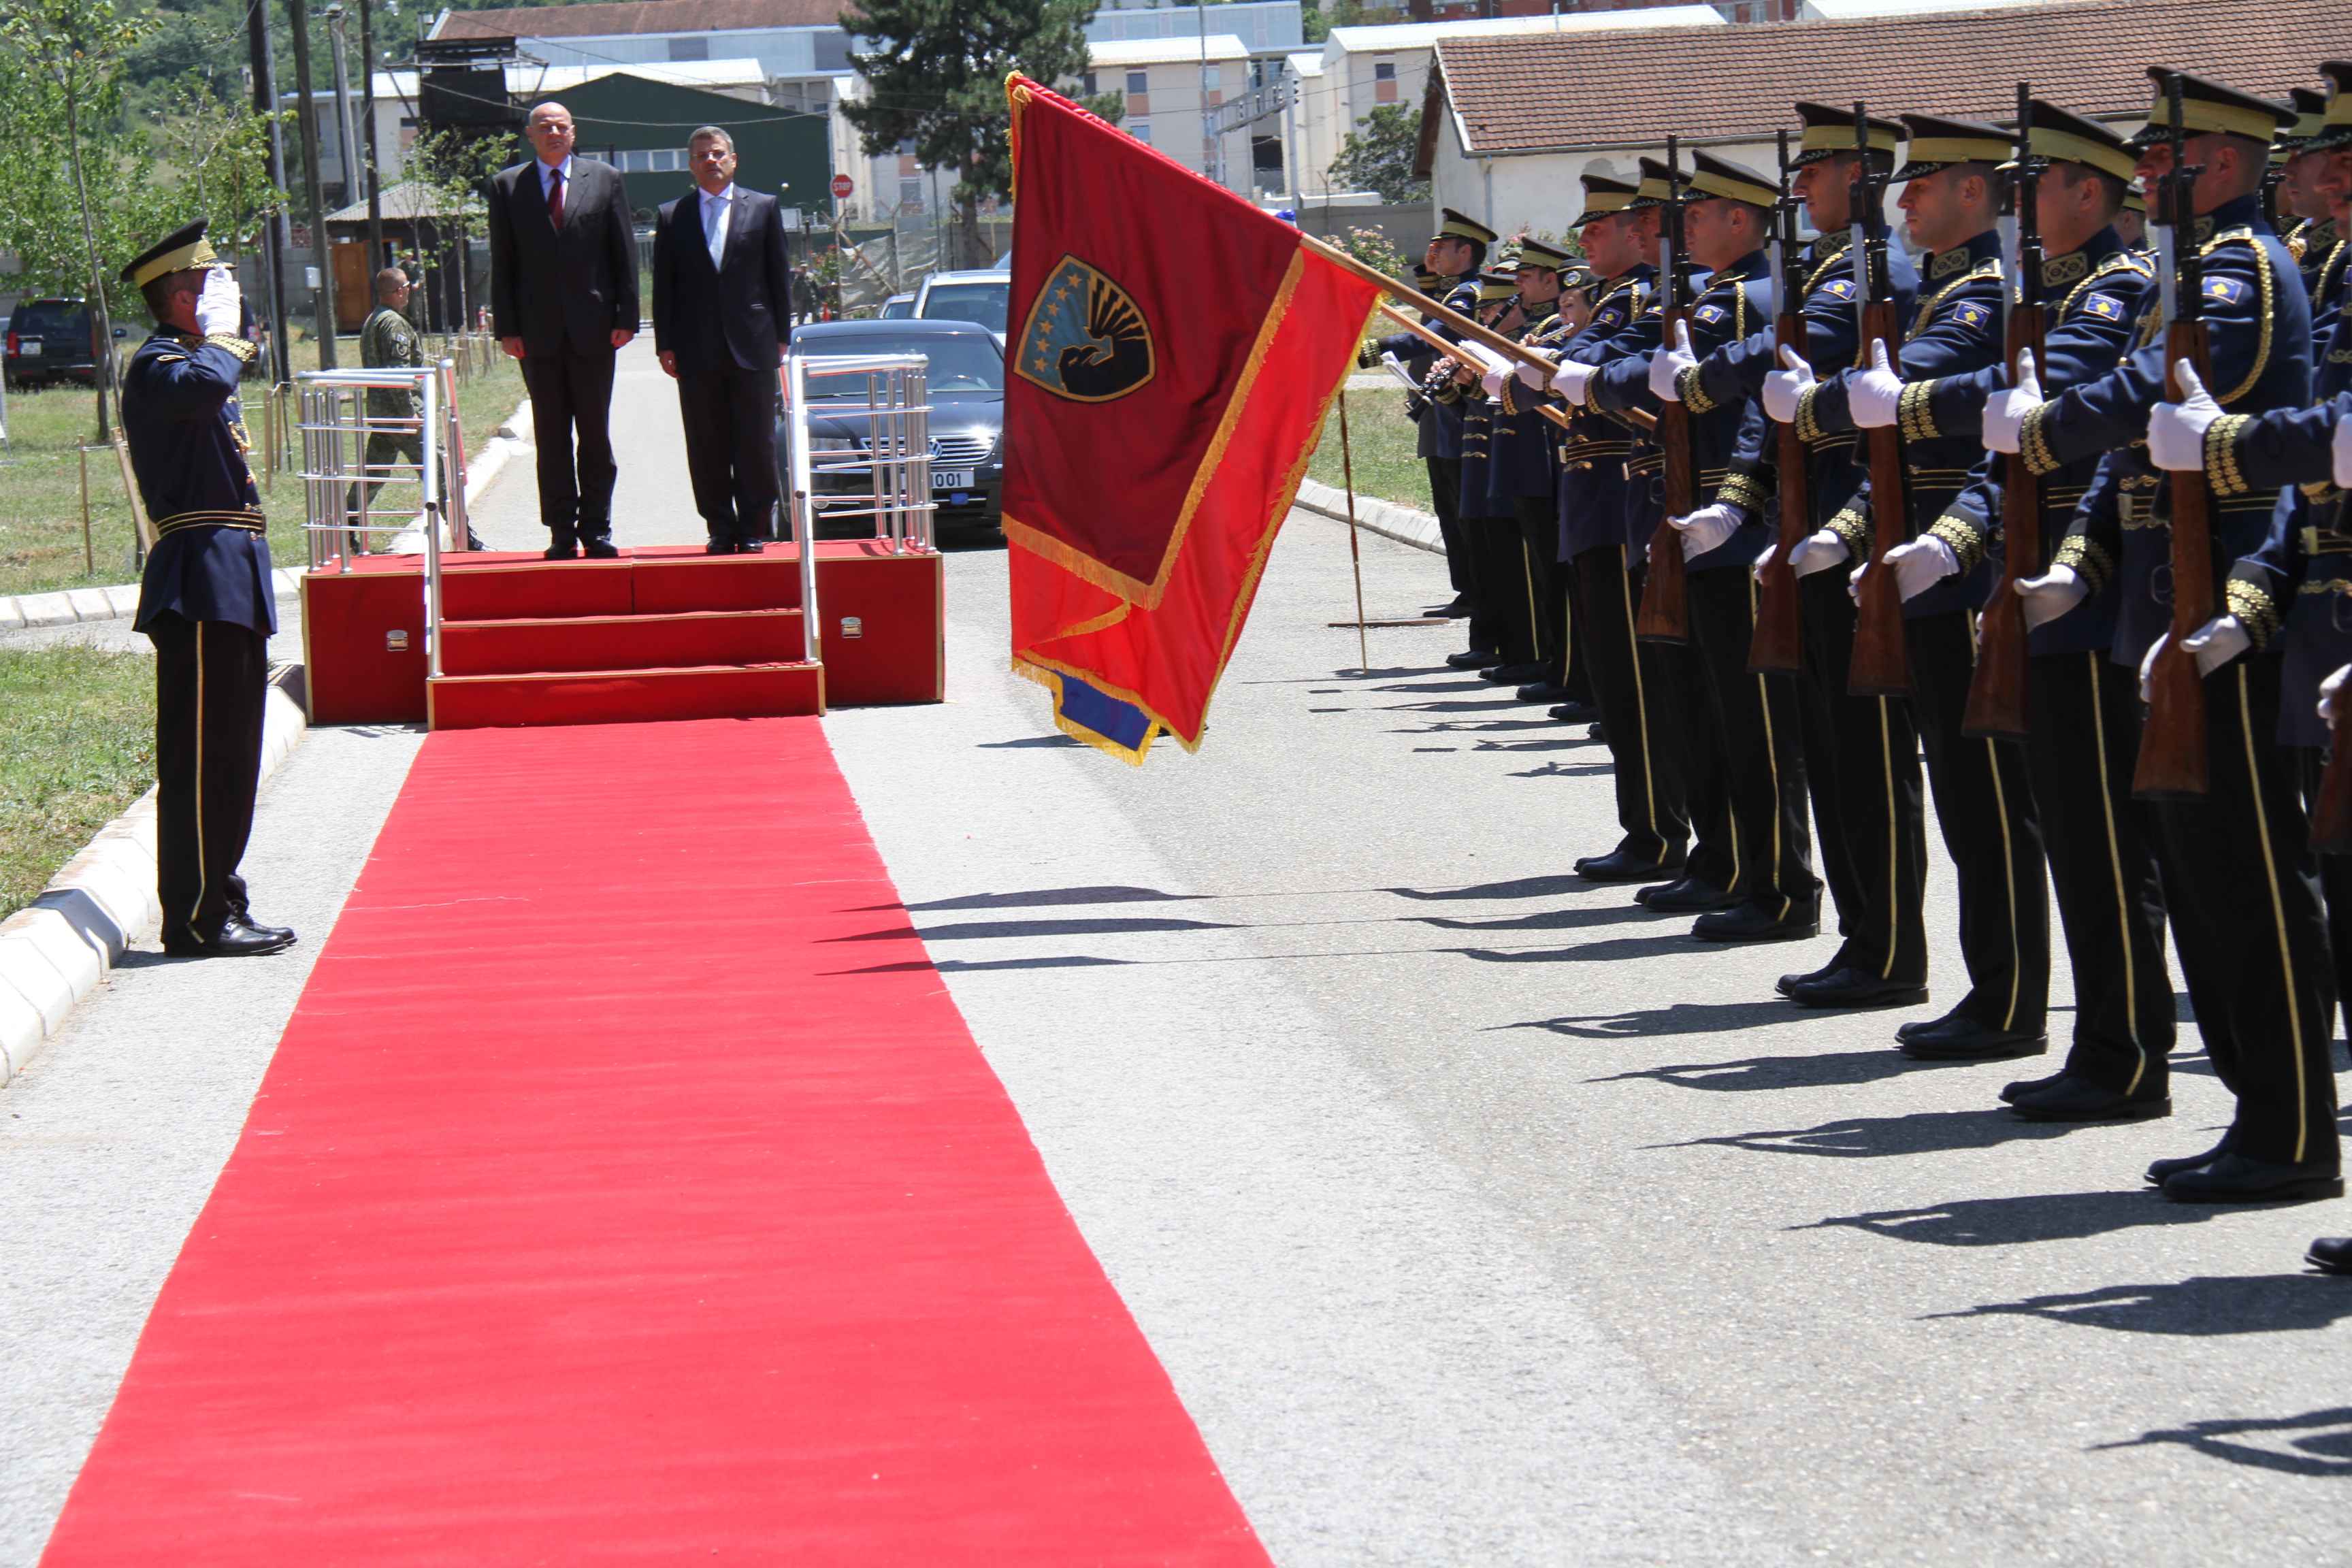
[1525, 471]
[1862, 751]
[1754, 716]
[1454, 254]
[1684, 747]
[1984, 804]
[2236, 861]
[1499, 618]
[2316, 235]
[1620, 241]
[2084, 728]
[206, 600]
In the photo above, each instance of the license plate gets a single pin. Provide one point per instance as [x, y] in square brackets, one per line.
[29, 347]
[951, 478]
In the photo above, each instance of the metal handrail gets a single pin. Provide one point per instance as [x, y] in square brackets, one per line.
[895, 455]
[335, 424]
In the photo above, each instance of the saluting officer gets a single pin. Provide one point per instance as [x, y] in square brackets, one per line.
[2082, 713]
[1754, 716]
[206, 600]
[2237, 866]
[1984, 804]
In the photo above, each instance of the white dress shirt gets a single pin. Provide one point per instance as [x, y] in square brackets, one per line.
[547, 172]
[717, 211]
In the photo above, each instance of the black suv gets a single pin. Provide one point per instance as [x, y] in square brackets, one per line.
[51, 340]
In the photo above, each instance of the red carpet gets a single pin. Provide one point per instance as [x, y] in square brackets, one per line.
[590, 1212]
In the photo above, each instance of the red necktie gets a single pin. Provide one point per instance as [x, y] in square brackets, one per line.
[555, 197]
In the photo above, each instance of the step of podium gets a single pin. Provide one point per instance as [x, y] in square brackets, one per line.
[577, 644]
[644, 581]
[624, 696]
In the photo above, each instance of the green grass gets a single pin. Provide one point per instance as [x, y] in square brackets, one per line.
[1380, 440]
[41, 545]
[76, 747]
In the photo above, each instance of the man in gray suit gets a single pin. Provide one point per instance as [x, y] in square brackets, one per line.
[723, 312]
[563, 299]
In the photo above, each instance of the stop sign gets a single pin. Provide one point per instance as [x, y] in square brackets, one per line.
[842, 185]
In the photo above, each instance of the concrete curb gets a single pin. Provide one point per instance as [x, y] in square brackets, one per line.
[1406, 525]
[72, 607]
[58, 949]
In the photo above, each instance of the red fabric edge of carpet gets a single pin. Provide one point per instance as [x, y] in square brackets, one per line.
[626, 1185]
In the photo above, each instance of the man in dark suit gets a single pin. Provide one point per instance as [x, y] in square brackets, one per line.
[563, 299]
[721, 314]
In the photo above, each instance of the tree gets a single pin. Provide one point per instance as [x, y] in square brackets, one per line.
[218, 155]
[937, 74]
[1378, 156]
[450, 169]
[72, 54]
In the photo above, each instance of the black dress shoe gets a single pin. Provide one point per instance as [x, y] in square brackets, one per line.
[1514, 674]
[1598, 733]
[720, 547]
[2162, 1171]
[1541, 691]
[244, 919]
[1968, 1041]
[749, 546]
[1455, 609]
[2073, 1099]
[2331, 1254]
[563, 549]
[1686, 895]
[1624, 866]
[2011, 1091]
[1848, 987]
[1751, 921]
[1926, 1025]
[1576, 713]
[1470, 659]
[1789, 982]
[599, 548]
[2235, 1178]
[235, 941]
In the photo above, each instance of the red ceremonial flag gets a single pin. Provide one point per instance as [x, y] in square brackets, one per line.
[1174, 352]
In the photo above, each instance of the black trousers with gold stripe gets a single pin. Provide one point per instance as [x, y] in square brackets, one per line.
[1984, 804]
[2083, 745]
[2335, 885]
[1538, 520]
[1630, 688]
[211, 678]
[2244, 900]
[1445, 500]
[1862, 768]
[1505, 596]
[1754, 720]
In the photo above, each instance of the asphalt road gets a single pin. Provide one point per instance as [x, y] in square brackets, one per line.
[1478, 1216]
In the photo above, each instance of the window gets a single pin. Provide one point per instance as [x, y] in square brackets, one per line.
[910, 195]
[1140, 130]
[1384, 81]
[652, 160]
[1087, 85]
[695, 49]
[1138, 81]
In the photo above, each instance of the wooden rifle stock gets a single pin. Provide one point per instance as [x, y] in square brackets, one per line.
[1880, 666]
[2172, 742]
[1996, 704]
[2331, 813]
[1776, 644]
[1665, 615]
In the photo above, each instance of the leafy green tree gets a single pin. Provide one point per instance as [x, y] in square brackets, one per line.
[1378, 156]
[451, 168]
[216, 153]
[68, 55]
[937, 74]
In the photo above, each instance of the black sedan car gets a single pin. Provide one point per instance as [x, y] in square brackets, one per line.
[966, 381]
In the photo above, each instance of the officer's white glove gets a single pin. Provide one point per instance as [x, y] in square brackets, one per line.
[1817, 553]
[2051, 595]
[220, 308]
[2148, 667]
[1535, 376]
[1854, 581]
[2176, 431]
[1704, 529]
[1784, 386]
[1668, 363]
[2342, 447]
[1921, 565]
[1571, 381]
[1764, 560]
[2331, 685]
[1873, 395]
[2005, 412]
[1492, 382]
[2216, 642]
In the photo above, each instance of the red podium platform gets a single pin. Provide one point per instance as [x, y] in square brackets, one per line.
[660, 633]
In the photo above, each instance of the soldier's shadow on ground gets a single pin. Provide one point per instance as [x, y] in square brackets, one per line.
[1547, 919]
[2202, 1307]
[1520, 888]
[1603, 950]
[2027, 1218]
[2316, 1443]
[1882, 1137]
[1748, 1075]
[1038, 898]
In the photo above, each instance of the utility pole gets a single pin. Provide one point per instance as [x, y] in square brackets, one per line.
[322, 297]
[1208, 136]
[367, 113]
[273, 228]
[346, 123]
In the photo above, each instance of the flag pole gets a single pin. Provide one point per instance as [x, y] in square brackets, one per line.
[1355, 543]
